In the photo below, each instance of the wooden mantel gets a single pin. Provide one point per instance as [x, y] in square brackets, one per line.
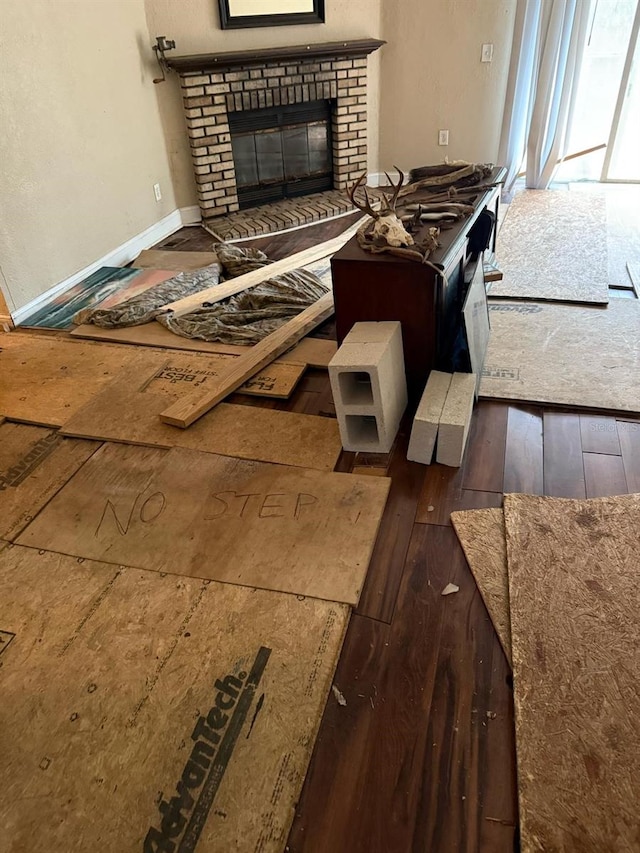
[209, 61]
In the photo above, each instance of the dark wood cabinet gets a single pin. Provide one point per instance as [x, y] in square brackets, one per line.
[427, 298]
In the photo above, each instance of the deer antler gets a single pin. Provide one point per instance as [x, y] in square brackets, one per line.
[365, 208]
[391, 200]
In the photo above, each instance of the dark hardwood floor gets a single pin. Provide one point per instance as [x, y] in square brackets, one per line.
[421, 759]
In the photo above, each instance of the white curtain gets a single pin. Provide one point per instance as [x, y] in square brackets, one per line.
[548, 43]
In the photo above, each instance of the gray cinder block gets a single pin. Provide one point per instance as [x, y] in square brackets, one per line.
[427, 419]
[369, 386]
[456, 419]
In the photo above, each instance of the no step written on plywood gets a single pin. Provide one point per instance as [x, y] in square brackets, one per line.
[198, 514]
[34, 464]
[127, 410]
[153, 713]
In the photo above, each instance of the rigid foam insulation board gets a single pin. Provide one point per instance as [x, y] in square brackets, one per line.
[456, 419]
[148, 712]
[269, 526]
[574, 588]
[425, 424]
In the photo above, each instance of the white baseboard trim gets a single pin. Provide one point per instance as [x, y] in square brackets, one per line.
[118, 257]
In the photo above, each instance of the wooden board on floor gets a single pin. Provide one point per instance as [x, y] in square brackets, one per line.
[574, 588]
[199, 514]
[46, 380]
[166, 259]
[553, 246]
[566, 355]
[481, 534]
[123, 689]
[35, 463]
[128, 411]
[314, 352]
[186, 410]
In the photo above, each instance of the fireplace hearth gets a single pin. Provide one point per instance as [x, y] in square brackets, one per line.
[278, 123]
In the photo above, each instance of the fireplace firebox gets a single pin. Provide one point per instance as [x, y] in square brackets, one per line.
[282, 152]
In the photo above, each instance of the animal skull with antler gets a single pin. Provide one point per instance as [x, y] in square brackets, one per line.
[387, 228]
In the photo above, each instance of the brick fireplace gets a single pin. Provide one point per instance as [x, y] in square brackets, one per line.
[214, 86]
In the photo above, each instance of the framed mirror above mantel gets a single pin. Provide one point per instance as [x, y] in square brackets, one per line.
[235, 14]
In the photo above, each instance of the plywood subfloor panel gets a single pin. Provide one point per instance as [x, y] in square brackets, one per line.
[482, 536]
[46, 380]
[567, 355]
[313, 352]
[553, 246]
[123, 688]
[574, 588]
[35, 463]
[279, 528]
[128, 412]
[166, 259]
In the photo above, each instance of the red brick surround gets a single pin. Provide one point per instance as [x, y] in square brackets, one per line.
[219, 87]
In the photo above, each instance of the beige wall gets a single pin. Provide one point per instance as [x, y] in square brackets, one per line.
[432, 79]
[81, 143]
[195, 26]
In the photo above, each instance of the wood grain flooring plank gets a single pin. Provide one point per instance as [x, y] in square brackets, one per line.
[484, 462]
[629, 435]
[333, 796]
[604, 475]
[563, 469]
[442, 494]
[380, 590]
[523, 463]
[599, 435]
[426, 777]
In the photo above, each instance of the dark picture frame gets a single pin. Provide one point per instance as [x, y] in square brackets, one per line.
[229, 20]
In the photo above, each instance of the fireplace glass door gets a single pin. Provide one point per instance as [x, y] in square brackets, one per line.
[282, 152]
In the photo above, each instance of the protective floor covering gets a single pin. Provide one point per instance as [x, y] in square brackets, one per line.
[154, 712]
[553, 246]
[566, 355]
[574, 588]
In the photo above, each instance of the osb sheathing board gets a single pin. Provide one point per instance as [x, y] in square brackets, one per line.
[482, 536]
[34, 464]
[127, 410]
[44, 380]
[565, 354]
[553, 246]
[147, 712]
[574, 588]
[198, 514]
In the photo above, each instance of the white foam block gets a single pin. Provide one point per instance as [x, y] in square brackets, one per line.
[456, 419]
[427, 419]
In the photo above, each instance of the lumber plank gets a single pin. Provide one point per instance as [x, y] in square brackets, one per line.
[35, 463]
[268, 526]
[573, 590]
[211, 295]
[128, 412]
[166, 259]
[184, 412]
[107, 683]
[599, 435]
[629, 434]
[484, 463]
